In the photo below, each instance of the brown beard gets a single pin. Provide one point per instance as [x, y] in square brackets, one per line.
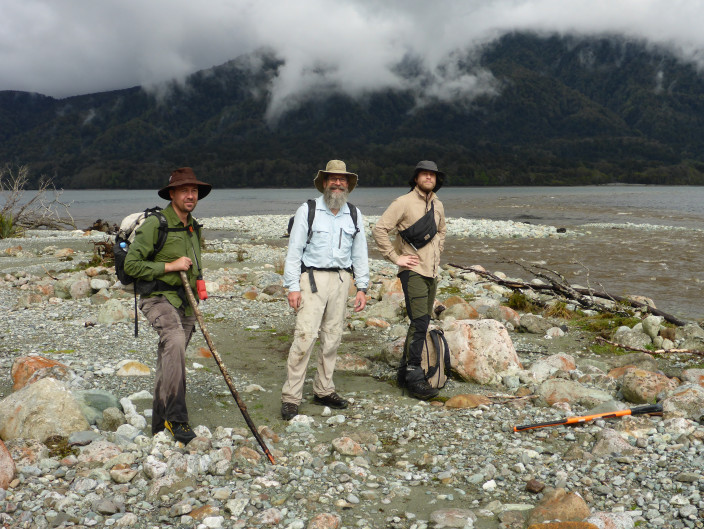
[335, 201]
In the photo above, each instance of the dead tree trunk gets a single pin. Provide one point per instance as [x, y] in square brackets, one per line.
[656, 352]
[555, 283]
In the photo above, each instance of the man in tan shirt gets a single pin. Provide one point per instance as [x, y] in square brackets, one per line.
[419, 217]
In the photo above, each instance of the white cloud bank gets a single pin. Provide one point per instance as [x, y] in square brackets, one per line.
[70, 47]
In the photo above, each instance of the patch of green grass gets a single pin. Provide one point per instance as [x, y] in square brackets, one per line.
[446, 292]
[519, 301]
[605, 323]
[60, 351]
[607, 350]
[559, 310]
[8, 228]
[58, 447]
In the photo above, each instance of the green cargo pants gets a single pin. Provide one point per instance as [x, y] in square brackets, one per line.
[419, 292]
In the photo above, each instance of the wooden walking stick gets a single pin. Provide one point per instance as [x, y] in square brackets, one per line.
[223, 370]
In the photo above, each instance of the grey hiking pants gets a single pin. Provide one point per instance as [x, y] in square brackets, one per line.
[175, 330]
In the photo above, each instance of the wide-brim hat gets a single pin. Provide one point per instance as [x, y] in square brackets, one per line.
[181, 177]
[335, 167]
[427, 165]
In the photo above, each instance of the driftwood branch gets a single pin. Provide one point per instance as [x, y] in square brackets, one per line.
[558, 285]
[39, 211]
[656, 352]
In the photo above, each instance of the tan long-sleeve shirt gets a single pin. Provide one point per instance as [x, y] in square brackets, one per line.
[403, 213]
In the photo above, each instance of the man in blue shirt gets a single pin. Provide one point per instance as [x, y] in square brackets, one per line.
[318, 275]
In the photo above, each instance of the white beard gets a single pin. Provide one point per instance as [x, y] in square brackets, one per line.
[335, 201]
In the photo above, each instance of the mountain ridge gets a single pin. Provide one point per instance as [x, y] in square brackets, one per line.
[567, 111]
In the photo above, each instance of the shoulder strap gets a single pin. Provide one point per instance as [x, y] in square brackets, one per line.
[161, 237]
[443, 348]
[353, 214]
[311, 216]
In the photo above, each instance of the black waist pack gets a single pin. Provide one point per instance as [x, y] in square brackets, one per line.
[422, 231]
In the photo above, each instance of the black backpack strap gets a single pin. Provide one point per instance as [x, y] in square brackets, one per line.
[446, 352]
[436, 343]
[311, 217]
[353, 214]
[162, 234]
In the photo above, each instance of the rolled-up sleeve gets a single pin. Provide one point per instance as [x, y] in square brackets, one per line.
[386, 223]
[442, 227]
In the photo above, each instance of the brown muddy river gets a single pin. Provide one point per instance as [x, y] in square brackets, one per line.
[662, 263]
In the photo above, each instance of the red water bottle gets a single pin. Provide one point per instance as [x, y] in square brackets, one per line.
[200, 287]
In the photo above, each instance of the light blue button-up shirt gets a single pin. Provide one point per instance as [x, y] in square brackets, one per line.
[332, 244]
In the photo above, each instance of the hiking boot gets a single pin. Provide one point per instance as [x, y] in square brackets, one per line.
[333, 401]
[181, 431]
[401, 377]
[420, 389]
[288, 410]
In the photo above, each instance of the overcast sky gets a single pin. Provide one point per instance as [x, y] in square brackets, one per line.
[70, 47]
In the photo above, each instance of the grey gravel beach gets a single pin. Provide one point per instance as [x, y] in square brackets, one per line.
[388, 461]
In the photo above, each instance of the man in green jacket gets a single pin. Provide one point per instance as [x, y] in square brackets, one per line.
[166, 306]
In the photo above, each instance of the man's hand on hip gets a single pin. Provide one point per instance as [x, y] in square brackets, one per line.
[407, 261]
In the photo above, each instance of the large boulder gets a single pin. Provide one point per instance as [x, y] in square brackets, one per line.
[611, 442]
[651, 326]
[28, 369]
[114, 311]
[459, 311]
[504, 315]
[560, 390]
[481, 350]
[632, 337]
[640, 386]
[542, 369]
[533, 324]
[693, 376]
[558, 504]
[685, 401]
[386, 310]
[41, 410]
[7, 467]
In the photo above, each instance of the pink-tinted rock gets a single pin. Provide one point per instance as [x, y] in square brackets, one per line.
[558, 504]
[24, 367]
[7, 467]
[467, 401]
[325, 520]
[641, 387]
[481, 350]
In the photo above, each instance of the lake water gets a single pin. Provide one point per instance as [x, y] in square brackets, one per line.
[663, 264]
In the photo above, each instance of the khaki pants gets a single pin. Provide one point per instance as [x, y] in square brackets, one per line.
[323, 311]
[175, 330]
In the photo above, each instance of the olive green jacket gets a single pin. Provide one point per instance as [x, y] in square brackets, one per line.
[178, 244]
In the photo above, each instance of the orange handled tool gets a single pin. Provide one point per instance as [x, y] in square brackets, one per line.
[641, 410]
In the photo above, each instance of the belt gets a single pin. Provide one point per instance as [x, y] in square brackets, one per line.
[311, 277]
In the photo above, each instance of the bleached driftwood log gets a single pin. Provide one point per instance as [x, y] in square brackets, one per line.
[555, 283]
